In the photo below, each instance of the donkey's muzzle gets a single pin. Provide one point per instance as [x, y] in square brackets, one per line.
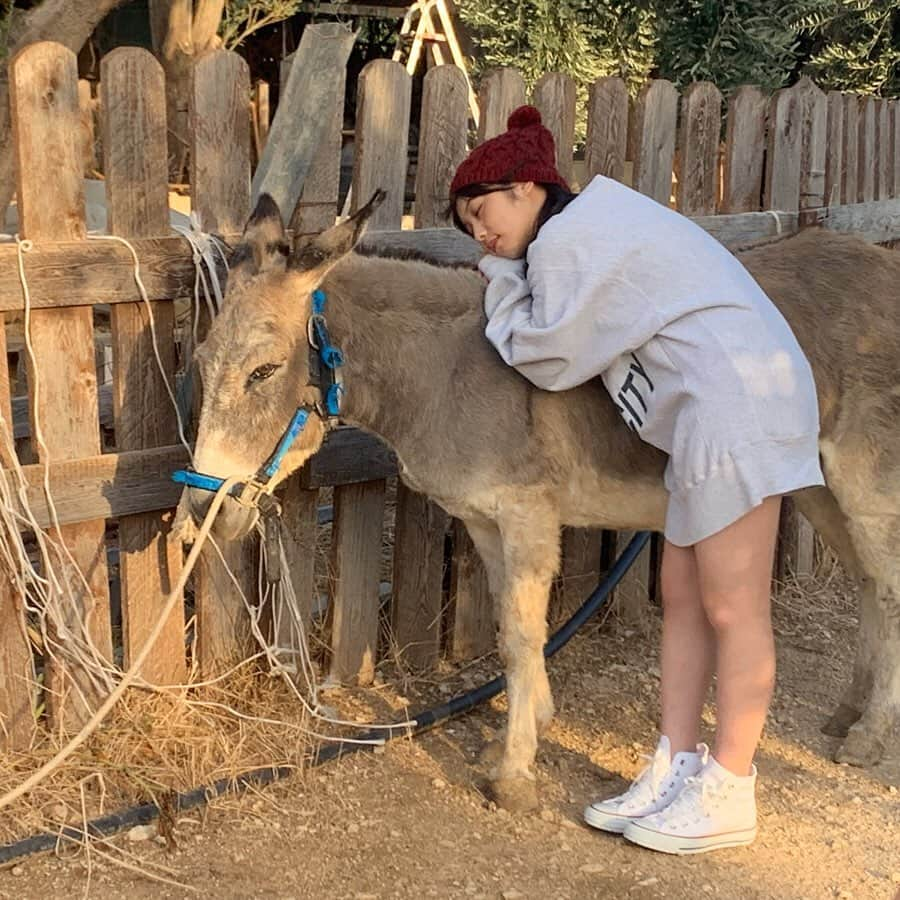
[233, 520]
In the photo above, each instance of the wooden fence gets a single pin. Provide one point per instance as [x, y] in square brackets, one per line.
[814, 157]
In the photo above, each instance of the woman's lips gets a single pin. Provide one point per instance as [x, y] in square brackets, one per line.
[492, 245]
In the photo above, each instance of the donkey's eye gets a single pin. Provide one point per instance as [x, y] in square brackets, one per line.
[261, 373]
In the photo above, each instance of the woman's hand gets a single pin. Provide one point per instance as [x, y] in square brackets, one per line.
[496, 266]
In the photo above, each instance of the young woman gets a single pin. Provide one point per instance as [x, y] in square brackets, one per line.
[700, 364]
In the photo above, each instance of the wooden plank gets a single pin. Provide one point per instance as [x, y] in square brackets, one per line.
[473, 632]
[554, 96]
[784, 152]
[745, 145]
[356, 563]
[883, 175]
[814, 139]
[348, 456]
[45, 113]
[109, 485]
[316, 208]
[315, 83]
[632, 595]
[579, 571]
[865, 179]
[655, 120]
[85, 273]
[220, 124]
[220, 178]
[87, 105]
[834, 149]
[17, 689]
[418, 576]
[701, 124]
[382, 118]
[135, 164]
[850, 146]
[501, 91]
[789, 127]
[653, 136]
[442, 142]
[607, 128]
[300, 528]
[419, 525]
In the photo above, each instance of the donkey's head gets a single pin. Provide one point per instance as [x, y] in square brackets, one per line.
[255, 363]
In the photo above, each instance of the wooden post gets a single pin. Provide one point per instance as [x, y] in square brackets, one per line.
[655, 121]
[220, 178]
[895, 148]
[315, 83]
[382, 120]
[315, 211]
[134, 143]
[45, 118]
[834, 149]
[745, 145]
[883, 174]
[500, 92]
[796, 129]
[473, 631]
[701, 123]
[850, 150]
[442, 142]
[607, 128]
[554, 96]
[654, 135]
[865, 185]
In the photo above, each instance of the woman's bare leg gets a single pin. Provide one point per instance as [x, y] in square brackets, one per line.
[734, 570]
[688, 649]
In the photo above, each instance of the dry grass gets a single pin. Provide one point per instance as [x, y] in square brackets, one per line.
[154, 744]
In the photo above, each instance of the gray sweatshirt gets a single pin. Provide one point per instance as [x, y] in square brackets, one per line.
[696, 357]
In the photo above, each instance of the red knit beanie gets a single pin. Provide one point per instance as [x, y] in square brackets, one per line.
[524, 152]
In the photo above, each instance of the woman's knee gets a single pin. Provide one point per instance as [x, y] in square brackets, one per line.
[679, 585]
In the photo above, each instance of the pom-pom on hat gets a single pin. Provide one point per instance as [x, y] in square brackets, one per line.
[524, 152]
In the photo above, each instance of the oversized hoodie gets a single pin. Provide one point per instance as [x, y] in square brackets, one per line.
[697, 359]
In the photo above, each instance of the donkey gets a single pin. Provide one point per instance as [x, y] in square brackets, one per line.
[515, 463]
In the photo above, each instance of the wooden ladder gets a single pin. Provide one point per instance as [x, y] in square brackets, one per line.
[420, 31]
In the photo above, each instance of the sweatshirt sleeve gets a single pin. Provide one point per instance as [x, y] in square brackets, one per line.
[563, 325]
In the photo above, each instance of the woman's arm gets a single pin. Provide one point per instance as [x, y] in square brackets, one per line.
[561, 326]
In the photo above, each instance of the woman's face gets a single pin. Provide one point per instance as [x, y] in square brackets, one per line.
[504, 221]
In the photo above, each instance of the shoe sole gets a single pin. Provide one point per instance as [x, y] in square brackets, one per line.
[608, 822]
[668, 843]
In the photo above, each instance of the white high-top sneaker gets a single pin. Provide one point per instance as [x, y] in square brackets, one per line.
[715, 809]
[654, 789]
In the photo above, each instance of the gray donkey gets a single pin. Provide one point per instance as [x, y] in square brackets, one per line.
[515, 463]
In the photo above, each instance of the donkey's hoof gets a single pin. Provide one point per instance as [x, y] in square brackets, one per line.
[492, 753]
[839, 724]
[861, 748]
[515, 795]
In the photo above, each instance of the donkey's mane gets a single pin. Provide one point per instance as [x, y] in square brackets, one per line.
[408, 254]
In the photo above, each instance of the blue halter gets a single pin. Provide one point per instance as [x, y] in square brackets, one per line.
[325, 375]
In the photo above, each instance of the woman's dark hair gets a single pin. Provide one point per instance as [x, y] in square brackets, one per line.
[558, 198]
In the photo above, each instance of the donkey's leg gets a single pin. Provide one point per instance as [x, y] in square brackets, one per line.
[864, 476]
[880, 623]
[487, 540]
[819, 505]
[531, 553]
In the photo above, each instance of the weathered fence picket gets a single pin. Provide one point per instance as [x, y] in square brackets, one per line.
[607, 129]
[135, 149]
[745, 144]
[220, 178]
[46, 121]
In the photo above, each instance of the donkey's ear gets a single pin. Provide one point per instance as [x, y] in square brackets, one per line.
[264, 243]
[323, 251]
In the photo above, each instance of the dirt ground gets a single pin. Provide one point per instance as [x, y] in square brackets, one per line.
[415, 819]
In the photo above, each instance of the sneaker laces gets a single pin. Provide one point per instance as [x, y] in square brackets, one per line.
[650, 777]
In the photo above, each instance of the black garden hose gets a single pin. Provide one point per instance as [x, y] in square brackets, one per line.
[146, 812]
